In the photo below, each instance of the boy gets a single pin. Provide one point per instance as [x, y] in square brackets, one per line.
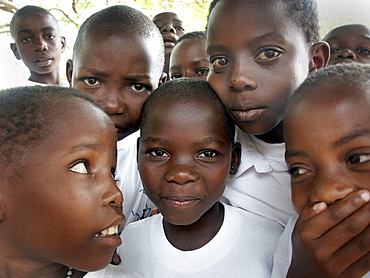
[254, 70]
[59, 205]
[171, 29]
[186, 151]
[37, 42]
[327, 154]
[118, 59]
[189, 57]
[349, 43]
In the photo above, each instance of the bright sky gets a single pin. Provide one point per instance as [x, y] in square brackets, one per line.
[331, 13]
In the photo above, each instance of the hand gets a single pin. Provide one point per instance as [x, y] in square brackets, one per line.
[333, 241]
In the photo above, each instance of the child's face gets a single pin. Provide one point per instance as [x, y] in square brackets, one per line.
[349, 44]
[189, 59]
[328, 146]
[120, 72]
[183, 160]
[65, 195]
[258, 57]
[171, 29]
[37, 42]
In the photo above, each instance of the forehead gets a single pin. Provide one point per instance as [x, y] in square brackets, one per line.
[252, 19]
[166, 18]
[189, 46]
[347, 32]
[33, 21]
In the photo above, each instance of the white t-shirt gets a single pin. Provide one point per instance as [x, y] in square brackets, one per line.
[243, 247]
[136, 204]
[112, 271]
[262, 184]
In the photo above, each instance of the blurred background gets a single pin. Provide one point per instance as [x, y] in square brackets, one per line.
[72, 13]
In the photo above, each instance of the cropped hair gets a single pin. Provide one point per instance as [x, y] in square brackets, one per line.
[185, 90]
[29, 114]
[355, 76]
[29, 9]
[192, 35]
[123, 20]
[303, 13]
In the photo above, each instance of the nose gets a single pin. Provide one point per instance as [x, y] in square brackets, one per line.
[345, 54]
[330, 189]
[181, 174]
[168, 28]
[40, 44]
[112, 196]
[242, 78]
[113, 102]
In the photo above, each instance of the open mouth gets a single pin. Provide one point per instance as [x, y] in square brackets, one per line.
[111, 231]
[44, 61]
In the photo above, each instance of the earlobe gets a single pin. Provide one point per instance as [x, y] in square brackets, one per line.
[63, 41]
[235, 159]
[14, 48]
[69, 71]
[320, 56]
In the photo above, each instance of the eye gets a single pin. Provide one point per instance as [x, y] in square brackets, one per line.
[363, 51]
[176, 76]
[219, 62]
[297, 171]
[358, 158]
[49, 36]
[158, 153]
[179, 28]
[113, 172]
[91, 81]
[138, 87]
[333, 50]
[26, 39]
[268, 54]
[208, 154]
[80, 167]
[202, 71]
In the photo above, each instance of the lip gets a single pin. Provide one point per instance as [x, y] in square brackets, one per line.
[111, 240]
[343, 61]
[181, 202]
[44, 61]
[249, 114]
[169, 41]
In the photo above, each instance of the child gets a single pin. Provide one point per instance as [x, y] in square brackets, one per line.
[186, 151]
[327, 153]
[189, 57]
[254, 70]
[349, 43]
[37, 42]
[59, 205]
[171, 29]
[118, 59]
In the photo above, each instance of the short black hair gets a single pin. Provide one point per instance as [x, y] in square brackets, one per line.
[120, 19]
[191, 35]
[29, 9]
[355, 76]
[303, 13]
[186, 89]
[28, 114]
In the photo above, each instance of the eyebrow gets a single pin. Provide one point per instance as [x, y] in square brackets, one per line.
[84, 146]
[337, 37]
[208, 140]
[350, 137]
[30, 31]
[292, 153]
[162, 141]
[130, 76]
[257, 39]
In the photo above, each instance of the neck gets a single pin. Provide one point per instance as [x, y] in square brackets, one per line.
[274, 136]
[52, 78]
[198, 234]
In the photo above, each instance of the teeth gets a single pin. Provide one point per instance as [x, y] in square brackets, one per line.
[108, 232]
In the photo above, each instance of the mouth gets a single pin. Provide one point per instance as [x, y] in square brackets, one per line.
[181, 203]
[248, 115]
[111, 231]
[169, 42]
[44, 61]
[343, 61]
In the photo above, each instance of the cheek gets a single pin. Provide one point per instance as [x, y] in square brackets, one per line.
[299, 197]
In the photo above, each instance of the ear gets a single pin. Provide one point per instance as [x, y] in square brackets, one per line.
[63, 41]
[235, 158]
[14, 48]
[163, 79]
[69, 71]
[320, 56]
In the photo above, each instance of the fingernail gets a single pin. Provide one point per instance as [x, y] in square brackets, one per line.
[365, 196]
